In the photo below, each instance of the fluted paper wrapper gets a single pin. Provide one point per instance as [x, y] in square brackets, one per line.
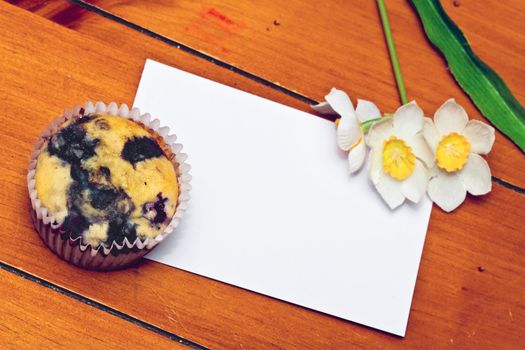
[116, 256]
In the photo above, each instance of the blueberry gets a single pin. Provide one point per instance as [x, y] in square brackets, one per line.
[160, 217]
[79, 175]
[154, 211]
[119, 228]
[101, 198]
[72, 144]
[76, 223]
[140, 148]
[105, 171]
[77, 152]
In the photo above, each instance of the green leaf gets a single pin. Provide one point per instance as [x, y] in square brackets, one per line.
[486, 89]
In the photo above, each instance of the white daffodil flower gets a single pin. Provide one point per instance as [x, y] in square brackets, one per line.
[399, 156]
[457, 144]
[350, 136]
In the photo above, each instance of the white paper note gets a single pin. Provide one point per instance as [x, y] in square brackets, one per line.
[274, 210]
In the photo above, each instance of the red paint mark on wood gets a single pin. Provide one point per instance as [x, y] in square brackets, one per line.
[214, 27]
[220, 16]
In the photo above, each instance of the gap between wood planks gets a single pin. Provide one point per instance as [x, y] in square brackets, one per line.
[185, 48]
[6, 267]
[172, 336]
[190, 50]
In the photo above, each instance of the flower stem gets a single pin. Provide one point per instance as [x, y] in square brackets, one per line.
[392, 50]
[365, 126]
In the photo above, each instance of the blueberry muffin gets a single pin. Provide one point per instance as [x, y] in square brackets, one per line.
[107, 179]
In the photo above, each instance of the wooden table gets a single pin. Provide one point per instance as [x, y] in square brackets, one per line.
[470, 291]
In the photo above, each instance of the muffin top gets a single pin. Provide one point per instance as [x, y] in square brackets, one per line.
[107, 178]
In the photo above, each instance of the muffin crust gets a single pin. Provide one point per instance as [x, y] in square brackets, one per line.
[107, 178]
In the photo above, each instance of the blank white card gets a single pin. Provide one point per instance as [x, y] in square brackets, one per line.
[274, 210]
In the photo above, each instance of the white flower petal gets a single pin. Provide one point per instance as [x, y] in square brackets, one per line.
[390, 189]
[348, 133]
[415, 186]
[421, 149]
[356, 156]
[366, 110]
[431, 134]
[375, 169]
[450, 117]
[379, 132]
[323, 108]
[447, 190]
[480, 135]
[432, 172]
[341, 103]
[348, 129]
[408, 120]
[476, 175]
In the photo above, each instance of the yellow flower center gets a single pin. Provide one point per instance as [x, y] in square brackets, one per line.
[452, 152]
[398, 159]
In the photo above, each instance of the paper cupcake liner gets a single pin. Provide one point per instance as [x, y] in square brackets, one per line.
[116, 256]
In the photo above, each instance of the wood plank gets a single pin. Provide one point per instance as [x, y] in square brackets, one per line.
[57, 67]
[309, 48]
[35, 317]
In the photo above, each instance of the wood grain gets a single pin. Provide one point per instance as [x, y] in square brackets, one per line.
[34, 317]
[309, 48]
[44, 67]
